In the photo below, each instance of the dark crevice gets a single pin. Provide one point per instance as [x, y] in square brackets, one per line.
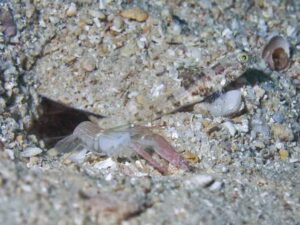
[250, 76]
[56, 120]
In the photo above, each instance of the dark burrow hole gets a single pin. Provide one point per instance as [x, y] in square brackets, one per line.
[56, 121]
[250, 76]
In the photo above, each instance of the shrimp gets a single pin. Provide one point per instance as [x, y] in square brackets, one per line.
[125, 141]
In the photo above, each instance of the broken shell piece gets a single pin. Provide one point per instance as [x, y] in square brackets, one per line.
[277, 53]
[31, 151]
[135, 14]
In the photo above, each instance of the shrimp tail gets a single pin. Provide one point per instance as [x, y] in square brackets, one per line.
[83, 136]
[86, 132]
[68, 144]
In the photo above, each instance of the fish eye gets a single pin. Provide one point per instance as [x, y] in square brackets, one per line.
[243, 57]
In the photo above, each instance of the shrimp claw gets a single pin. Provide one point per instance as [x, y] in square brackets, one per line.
[140, 151]
[160, 146]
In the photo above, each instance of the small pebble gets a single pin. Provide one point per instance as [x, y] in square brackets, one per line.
[282, 132]
[283, 154]
[72, 10]
[216, 186]
[118, 24]
[78, 157]
[259, 144]
[191, 157]
[198, 181]
[52, 152]
[279, 145]
[89, 63]
[225, 169]
[278, 117]
[31, 151]
[97, 14]
[33, 161]
[20, 139]
[7, 21]
[230, 127]
[259, 92]
[210, 127]
[105, 164]
[135, 14]
[176, 29]
[10, 153]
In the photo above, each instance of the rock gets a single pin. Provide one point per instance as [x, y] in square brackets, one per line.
[135, 14]
[278, 117]
[227, 104]
[282, 132]
[105, 164]
[118, 24]
[283, 154]
[259, 92]
[258, 144]
[243, 127]
[191, 157]
[33, 161]
[7, 22]
[129, 49]
[78, 157]
[198, 181]
[31, 151]
[10, 153]
[210, 127]
[88, 63]
[30, 10]
[52, 152]
[230, 127]
[97, 14]
[216, 186]
[72, 10]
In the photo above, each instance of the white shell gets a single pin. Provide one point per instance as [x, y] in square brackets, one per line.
[276, 53]
[227, 104]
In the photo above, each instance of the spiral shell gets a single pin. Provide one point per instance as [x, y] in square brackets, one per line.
[276, 53]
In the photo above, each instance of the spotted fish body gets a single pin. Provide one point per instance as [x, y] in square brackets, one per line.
[197, 83]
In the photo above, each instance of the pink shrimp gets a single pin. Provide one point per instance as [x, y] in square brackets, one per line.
[125, 141]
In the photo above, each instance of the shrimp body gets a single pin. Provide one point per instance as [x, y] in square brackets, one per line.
[114, 143]
[125, 141]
